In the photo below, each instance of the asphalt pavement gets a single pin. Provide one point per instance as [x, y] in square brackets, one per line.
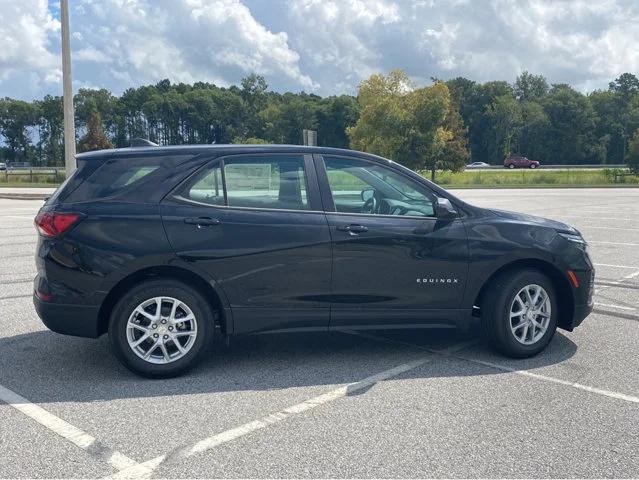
[433, 403]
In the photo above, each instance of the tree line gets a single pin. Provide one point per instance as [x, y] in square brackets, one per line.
[442, 125]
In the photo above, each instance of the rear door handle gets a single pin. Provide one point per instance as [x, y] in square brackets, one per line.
[352, 229]
[202, 221]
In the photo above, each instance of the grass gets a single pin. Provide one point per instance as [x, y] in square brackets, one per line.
[533, 178]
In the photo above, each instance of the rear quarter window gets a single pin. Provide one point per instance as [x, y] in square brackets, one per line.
[126, 178]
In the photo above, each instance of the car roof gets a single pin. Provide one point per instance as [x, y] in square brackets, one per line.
[219, 150]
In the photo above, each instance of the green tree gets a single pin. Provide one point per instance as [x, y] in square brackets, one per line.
[50, 124]
[633, 153]
[95, 139]
[503, 119]
[571, 131]
[17, 117]
[400, 121]
[530, 87]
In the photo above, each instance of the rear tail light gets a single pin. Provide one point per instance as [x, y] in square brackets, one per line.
[52, 224]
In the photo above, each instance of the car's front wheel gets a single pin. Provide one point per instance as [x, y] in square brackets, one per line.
[519, 313]
[511, 166]
[161, 328]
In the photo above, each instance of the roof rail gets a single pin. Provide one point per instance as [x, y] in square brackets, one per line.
[142, 142]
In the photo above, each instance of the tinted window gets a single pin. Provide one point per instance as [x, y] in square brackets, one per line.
[208, 188]
[264, 181]
[363, 187]
[116, 177]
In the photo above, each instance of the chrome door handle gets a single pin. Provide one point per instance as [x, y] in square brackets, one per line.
[202, 221]
[352, 229]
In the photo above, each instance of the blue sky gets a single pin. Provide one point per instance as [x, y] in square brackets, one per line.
[321, 46]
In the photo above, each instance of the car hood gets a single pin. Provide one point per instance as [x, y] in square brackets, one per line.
[541, 221]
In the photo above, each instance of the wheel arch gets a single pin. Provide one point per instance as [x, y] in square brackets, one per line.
[212, 296]
[565, 296]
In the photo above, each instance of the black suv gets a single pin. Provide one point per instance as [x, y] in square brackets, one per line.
[165, 247]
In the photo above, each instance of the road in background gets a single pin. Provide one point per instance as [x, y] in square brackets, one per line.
[383, 404]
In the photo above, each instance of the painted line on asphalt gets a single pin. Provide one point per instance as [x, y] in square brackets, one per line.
[582, 227]
[16, 281]
[11, 297]
[607, 283]
[65, 430]
[615, 243]
[623, 219]
[30, 217]
[546, 378]
[610, 313]
[615, 306]
[18, 256]
[615, 266]
[146, 469]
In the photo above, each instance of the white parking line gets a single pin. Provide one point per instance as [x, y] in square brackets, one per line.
[615, 266]
[546, 378]
[145, 470]
[614, 306]
[582, 227]
[67, 431]
[615, 243]
[579, 386]
[623, 219]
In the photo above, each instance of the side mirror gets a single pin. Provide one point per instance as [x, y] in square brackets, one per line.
[368, 194]
[445, 209]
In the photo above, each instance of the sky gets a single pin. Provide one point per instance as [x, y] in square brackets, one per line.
[322, 46]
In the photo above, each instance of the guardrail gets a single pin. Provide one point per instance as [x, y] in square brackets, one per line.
[57, 173]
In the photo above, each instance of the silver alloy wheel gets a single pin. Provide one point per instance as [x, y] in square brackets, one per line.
[161, 330]
[530, 313]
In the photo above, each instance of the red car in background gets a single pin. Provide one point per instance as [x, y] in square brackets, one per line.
[517, 161]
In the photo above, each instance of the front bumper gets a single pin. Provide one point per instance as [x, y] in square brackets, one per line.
[77, 320]
[584, 301]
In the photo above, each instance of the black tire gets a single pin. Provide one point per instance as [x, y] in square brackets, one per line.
[532, 165]
[495, 312]
[158, 288]
[511, 166]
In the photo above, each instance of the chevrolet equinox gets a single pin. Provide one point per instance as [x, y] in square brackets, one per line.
[165, 247]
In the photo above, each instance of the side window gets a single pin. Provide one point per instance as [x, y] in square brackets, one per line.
[264, 181]
[270, 181]
[208, 188]
[362, 187]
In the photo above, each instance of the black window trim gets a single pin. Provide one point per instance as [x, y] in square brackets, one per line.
[312, 187]
[327, 195]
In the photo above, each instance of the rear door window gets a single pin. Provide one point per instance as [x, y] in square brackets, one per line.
[253, 181]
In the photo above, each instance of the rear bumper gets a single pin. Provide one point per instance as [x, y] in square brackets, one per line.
[77, 320]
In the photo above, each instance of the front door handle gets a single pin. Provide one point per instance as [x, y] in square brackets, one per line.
[352, 229]
[202, 221]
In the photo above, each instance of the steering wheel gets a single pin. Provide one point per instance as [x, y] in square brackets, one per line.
[370, 205]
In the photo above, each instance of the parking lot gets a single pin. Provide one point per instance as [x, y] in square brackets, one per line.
[382, 404]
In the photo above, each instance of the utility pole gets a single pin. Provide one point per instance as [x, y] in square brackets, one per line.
[69, 118]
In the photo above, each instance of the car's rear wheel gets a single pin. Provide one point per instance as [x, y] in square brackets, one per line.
[519, 313]
[511, 166]
[161, 328]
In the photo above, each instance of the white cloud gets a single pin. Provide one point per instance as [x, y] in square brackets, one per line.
[324, 46]
[27, 30]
